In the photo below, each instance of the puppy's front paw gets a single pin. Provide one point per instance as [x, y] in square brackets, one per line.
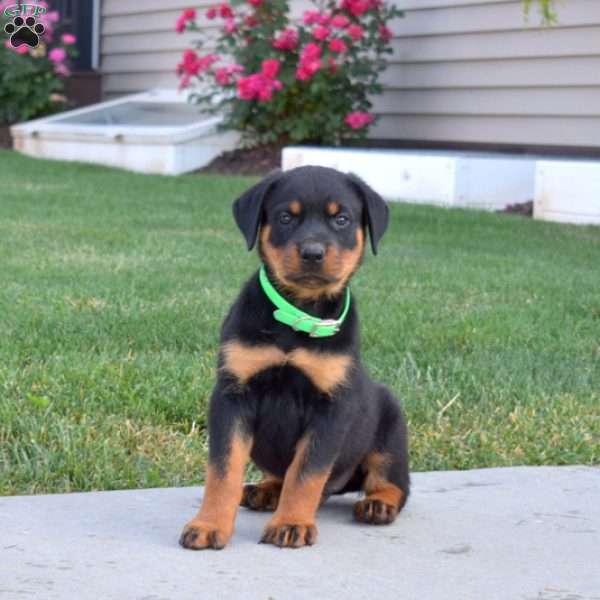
[289, 535]
[199, 535]
[375, 512]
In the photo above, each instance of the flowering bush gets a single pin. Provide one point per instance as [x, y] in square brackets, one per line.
[32, 79]
[279, 81]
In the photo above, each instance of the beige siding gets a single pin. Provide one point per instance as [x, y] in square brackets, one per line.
[470, 71]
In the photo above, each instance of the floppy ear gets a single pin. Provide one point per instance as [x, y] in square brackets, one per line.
[376, 210]
[247, 209]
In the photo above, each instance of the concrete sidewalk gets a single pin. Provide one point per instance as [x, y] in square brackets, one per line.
[519, 533]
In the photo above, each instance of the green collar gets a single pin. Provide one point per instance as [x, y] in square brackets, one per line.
[297, 319]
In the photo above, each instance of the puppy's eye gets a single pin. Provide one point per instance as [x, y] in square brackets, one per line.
[285, 218]
[342, 220]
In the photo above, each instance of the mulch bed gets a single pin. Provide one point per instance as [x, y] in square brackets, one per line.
[259, 160]
[5, 137]
[523, 209]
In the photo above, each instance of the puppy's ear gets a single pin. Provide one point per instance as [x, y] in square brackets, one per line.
[247, 209]
[376, 210]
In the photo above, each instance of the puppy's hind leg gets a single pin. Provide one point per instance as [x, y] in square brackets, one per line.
[387, 481]
[263, 495]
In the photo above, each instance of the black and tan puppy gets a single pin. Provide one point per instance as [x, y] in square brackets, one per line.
[291, 393]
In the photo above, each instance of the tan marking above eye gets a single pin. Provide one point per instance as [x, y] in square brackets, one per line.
[295, 207]
[333, 208]
[325, 370]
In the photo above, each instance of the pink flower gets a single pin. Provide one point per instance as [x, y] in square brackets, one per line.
[22, 49]
[321, 33]
[225, 11]
[62, 69]
[68, 39]
[337, 45]
[310, 51]
[308, 69]
[57, 55]
[356, 32]
[385, 33]
[204, 63]
[287, 39]
[250, 21]
[270, 68]
[255, 2]
[211, 13]
[333, 66]
[257, 87]
[188, 62]
[340, 22]
[310, 61]
[324, 18]
[51, 17]
[311, 17]
[185, 81]
[230, 26]
[187, 15]
[357, 7]
[358, 120]
[192, 64]
[224, 75]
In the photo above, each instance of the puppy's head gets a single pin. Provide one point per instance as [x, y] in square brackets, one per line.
[311, 224]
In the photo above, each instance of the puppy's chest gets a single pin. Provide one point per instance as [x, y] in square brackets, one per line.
[325, 370]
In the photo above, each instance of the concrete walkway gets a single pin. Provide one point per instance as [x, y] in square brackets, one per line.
[522, 534]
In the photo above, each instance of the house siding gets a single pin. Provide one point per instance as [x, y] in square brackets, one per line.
[466, 71]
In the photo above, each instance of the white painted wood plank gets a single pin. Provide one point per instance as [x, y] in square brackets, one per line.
[568, 191]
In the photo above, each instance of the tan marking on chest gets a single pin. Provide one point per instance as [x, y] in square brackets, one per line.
[246, 361]
[325, 370]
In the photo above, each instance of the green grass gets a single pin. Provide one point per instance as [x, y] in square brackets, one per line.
[113, 286]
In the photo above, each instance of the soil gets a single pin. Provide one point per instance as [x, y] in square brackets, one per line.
[258, 160]
[524, 209]
[5, 137]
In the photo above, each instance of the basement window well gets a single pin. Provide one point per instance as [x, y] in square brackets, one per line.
[153, 132]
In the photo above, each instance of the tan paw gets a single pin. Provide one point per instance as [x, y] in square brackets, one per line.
[375, 512]
[289, 535]
[199, 535]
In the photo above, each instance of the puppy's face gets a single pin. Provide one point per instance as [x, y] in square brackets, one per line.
[311, 225]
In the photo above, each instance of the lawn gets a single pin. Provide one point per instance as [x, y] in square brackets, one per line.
[113, 286]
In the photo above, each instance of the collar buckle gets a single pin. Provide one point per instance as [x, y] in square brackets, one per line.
[333, 323]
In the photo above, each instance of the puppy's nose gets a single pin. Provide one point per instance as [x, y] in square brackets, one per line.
[312, 252]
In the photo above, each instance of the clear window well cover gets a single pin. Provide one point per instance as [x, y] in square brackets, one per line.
[135, 113]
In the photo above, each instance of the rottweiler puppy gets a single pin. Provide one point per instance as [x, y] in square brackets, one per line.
[291, 392]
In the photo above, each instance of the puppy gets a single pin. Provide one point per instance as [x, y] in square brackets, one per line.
[291, 392]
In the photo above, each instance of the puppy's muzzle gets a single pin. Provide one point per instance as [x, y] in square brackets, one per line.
[312, 253]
